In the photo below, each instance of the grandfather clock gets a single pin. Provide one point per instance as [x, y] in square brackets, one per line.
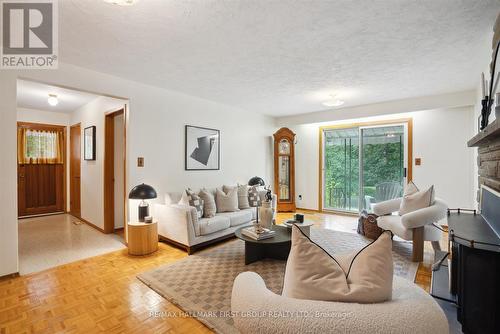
[284, 169]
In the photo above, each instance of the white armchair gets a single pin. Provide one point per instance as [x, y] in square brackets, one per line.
[416, 226]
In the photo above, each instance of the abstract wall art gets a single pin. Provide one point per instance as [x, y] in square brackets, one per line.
[202, 148]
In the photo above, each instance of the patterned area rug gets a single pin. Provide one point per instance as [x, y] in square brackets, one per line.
[201, 284]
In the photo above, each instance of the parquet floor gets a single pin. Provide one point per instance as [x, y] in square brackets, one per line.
[102, 294]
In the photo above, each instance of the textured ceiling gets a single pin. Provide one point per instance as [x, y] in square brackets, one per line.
[285, 57]
[34, 95]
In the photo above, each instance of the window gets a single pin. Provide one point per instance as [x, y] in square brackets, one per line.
[40, 146]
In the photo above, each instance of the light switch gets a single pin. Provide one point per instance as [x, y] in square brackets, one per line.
[140, 162]
[418, 161]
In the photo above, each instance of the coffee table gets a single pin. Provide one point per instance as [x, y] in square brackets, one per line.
[277, 247]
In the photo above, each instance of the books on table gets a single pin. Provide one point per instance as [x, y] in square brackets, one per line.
[264, 234]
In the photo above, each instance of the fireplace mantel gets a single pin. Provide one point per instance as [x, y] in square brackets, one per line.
[484, 138]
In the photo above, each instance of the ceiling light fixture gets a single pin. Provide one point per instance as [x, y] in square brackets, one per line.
[52, 100]
[122, 2]
[333, 102]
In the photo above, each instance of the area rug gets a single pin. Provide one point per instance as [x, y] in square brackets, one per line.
[201, 284]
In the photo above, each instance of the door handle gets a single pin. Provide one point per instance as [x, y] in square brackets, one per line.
[404, 172]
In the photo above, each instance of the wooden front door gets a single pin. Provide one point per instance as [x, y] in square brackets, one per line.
[74, 173]
[40, 186]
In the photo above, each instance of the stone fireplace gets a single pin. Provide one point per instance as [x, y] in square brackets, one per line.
[488, 159]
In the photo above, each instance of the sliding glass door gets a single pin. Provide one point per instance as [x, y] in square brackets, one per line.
[341, 169]
[363, 165]
[382, 164]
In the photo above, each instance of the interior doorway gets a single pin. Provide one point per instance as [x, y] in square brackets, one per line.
[41, 169]
[364, 163]
[114, 172]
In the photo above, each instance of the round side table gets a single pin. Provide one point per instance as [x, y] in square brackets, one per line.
[142, 238]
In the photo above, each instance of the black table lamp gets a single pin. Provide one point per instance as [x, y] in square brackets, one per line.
[256, 181]
[143, 191]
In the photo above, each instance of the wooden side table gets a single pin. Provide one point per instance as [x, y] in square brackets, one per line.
[142, 238]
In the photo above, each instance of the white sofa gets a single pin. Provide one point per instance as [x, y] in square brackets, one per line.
[179, 224]
[256, 309]
[416, 226]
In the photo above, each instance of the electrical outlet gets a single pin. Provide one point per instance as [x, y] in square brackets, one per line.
[300, 197]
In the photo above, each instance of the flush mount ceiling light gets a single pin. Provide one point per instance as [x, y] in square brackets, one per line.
[333, 102]
[52, 100]
[122, 2]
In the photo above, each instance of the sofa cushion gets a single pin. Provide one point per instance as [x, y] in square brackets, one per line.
[363, 276]
[253, 212]
[227, 202]
[239, 217]
[214, 224]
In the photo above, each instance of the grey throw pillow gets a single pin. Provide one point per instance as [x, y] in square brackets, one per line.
[254, 198]
[209, 208]
[195, 201]
[227, 202]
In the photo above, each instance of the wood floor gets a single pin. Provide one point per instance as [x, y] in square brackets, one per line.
[102, 294]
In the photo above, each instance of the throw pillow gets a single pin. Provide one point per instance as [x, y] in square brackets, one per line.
[410, 189]
[209, 208]
[243, 197]
[419, 200]
[195, 201]
[227, 202]
[254, 198]
[184, 199]
[364, 276]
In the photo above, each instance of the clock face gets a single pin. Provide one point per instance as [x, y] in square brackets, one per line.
[284, 147]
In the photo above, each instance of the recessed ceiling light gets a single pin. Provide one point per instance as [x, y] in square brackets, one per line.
[122, 2]
[52, 100]
[334, 102]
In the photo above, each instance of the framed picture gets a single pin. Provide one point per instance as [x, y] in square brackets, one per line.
[202, 148]
[89, 143]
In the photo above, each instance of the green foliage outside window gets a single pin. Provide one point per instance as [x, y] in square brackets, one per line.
[382, 163]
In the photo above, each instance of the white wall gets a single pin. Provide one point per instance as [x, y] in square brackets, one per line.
[439, 139]
[119, 146]
[42, 116]
[92, 172]
[155, 131]
[8, 174]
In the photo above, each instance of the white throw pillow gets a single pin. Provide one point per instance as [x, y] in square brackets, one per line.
[410, 189]
[364, 276]
[419, 200]
[227, 202]
[184, 199]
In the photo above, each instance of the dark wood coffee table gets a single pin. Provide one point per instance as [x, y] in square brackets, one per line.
[277, 247]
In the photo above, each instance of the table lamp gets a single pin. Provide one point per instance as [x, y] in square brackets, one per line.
[142, 192]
